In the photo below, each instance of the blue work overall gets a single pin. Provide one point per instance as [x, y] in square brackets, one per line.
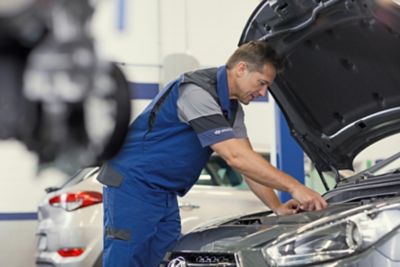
[162, 158]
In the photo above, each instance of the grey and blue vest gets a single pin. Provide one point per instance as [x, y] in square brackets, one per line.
[160, 150]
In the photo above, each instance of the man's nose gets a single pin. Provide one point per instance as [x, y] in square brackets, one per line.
[263, 91]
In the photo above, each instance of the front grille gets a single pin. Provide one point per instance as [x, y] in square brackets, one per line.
[201, 259]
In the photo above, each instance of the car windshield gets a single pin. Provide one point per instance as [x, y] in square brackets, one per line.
[218, 173]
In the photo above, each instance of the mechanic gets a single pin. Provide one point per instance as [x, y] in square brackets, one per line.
[170, 142]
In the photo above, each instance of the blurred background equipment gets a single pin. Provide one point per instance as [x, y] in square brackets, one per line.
[56, 95]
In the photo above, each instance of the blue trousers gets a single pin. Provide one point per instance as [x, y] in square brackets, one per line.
[140, 224]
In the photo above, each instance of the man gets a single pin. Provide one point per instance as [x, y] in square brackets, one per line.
[170, 142]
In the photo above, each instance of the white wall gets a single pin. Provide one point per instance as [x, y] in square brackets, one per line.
[208, 29]
[138, 45]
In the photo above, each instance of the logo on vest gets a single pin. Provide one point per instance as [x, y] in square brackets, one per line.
[220, 131]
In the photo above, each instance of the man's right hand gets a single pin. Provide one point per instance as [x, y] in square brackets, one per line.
[308, 198]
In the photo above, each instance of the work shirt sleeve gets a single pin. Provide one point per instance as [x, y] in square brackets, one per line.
[199, 109]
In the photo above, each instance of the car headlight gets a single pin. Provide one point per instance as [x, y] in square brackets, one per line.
[335, 236]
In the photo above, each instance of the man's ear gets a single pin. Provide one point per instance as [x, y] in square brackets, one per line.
[241, 68]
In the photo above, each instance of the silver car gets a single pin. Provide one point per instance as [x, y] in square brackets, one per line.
[359, 228]
[71, 216]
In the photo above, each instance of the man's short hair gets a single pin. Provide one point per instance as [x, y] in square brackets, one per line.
[256, 54]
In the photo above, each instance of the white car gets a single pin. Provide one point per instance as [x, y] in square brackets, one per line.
[70, 231]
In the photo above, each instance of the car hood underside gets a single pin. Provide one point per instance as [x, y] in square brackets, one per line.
[340, 90]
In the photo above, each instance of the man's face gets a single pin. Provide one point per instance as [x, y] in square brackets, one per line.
[253, 84]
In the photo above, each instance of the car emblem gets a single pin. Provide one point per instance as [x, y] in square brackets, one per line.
[178, 262]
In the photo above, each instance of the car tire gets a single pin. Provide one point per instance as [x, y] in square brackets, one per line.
[122, 118]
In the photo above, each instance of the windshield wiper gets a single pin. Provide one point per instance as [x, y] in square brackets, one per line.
[367, 175]
[391, 171]
[397, 170]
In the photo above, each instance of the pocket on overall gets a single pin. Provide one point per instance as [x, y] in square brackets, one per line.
[116, 207]
[109, 176]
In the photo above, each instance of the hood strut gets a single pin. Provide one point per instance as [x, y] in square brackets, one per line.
[336, 172]
[321, 175]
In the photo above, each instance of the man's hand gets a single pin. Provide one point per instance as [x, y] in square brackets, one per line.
[240, 156]
[290, 207]
[308, 199]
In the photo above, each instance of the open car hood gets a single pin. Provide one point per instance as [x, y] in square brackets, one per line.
[340, 90]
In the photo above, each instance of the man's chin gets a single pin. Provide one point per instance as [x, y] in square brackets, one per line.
[244, 102]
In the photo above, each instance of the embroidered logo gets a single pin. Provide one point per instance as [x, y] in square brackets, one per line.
[220, 131]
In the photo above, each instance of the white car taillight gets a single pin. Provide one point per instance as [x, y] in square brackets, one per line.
[74, 201]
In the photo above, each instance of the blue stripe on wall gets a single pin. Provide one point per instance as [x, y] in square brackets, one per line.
[121, 15]
[143, 90]
[150, 90]
[290, 156]
[18, 216]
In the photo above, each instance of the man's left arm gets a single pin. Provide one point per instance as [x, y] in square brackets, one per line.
[268, 196]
